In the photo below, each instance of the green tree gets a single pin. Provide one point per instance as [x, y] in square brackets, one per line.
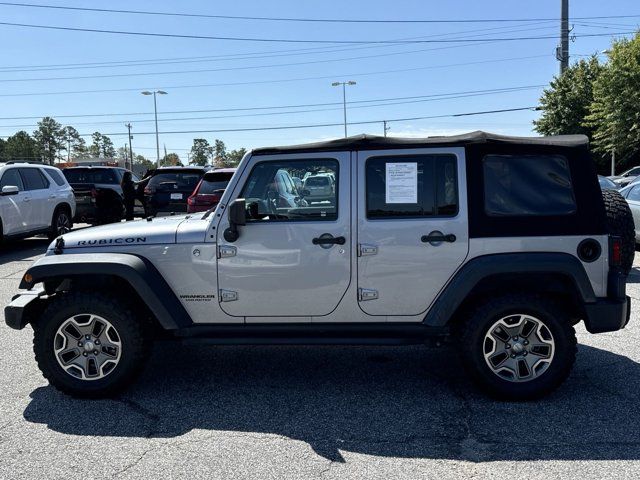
[3, 144]
[49, 137]
[21, 146]
[145, 162]
[170, 160]
[565, 104]
[73, 143]
[615, 110]
[234, 157]
[219, 153]
[201, 152]
[101, 146]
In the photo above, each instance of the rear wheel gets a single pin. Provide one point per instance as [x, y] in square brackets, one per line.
[518, 347]
[60, 223]
[90, 345]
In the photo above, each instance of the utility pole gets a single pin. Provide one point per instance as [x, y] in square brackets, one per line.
[562, 52]
[386, 129]
[155, 112]
[128, 125]
[613, 162]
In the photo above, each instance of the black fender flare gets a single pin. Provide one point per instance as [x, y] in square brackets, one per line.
[139, 272]
[479, 268]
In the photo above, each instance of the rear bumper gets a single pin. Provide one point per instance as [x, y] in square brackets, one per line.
[607, 315]
[16, 313]
[611, 313]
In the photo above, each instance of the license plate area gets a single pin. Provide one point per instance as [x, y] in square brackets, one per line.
[176, 196]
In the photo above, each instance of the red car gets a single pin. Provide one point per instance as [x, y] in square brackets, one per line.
[209, 190]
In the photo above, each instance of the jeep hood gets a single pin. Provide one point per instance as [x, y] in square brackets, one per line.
[162, 230]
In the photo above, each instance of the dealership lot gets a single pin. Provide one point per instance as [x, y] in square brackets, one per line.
[293, 412]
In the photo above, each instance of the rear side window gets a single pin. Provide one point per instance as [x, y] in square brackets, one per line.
[634, 194]
[520, 185]
[11, 178]
[34, 179]
[412, 186]
[217, 181]
[57, 176]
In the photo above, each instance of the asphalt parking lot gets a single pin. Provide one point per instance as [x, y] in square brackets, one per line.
[311, 412]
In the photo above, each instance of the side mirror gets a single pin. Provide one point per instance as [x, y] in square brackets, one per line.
[10, 190]
[237, 217]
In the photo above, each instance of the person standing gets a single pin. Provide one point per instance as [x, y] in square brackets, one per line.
[129, 192]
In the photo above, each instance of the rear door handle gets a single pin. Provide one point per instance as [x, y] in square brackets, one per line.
[327, 240]
[434, 237]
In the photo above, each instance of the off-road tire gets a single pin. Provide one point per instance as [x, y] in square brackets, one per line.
[134, 334]
[481, 318]
[620, 223]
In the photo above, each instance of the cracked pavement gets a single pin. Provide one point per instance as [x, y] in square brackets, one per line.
[317, 412]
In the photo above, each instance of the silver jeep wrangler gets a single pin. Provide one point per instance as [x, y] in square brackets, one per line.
[497, 244]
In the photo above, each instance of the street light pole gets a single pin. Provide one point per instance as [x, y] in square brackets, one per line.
[155, 111]
[344, 100]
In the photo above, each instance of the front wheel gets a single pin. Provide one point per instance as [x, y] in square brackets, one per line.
[518, 347]
[89, 345]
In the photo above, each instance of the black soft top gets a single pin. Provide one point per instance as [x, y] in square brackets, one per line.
[374, 142]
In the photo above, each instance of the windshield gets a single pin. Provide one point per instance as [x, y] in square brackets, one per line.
[178, 180]
[217, 181]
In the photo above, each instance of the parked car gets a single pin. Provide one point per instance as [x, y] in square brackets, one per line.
[631, 194]
[318, 188]
[34, 199]
[606, 184]
[625, 178]
[496, 245]
[98, 192]
[209, 190]
[168, 189]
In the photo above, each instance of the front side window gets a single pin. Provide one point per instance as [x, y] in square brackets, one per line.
[517, 185]
[412, 186]
[11, 178]
[271, 195]
[34, 179]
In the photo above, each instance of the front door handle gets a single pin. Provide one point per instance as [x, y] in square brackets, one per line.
[437, 237]
[327, 239]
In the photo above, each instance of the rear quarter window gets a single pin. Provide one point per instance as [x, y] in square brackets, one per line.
[57, 176]
[527, 185]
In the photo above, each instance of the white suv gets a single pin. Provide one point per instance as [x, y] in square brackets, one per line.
[34, 199]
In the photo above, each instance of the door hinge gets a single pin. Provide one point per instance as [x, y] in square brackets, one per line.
[364, 249]
[225, 251]
[228, 295]
[365, 294]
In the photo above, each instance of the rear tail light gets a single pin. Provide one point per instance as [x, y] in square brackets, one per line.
[148, 190]
[94, 193]
[191, 200]
[615, 259]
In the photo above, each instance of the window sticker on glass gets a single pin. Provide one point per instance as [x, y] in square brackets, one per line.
[401, 183]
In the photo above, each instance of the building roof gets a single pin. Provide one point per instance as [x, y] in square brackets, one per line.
[374, 142]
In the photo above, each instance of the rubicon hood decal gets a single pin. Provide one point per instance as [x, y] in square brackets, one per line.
[140, 232]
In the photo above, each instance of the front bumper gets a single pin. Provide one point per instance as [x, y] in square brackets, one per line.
[17, 313]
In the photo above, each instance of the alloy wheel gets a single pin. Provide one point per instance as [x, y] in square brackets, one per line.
[87, 347]
[518, 348]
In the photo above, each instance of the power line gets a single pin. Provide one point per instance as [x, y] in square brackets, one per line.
[250, 67]
[305, 51]
[256, 82]
[290, 40]
[293, 19]
[274, 107]
[353, 105]
[261, 54]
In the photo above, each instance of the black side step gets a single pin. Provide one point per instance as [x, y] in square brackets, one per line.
[312, 334]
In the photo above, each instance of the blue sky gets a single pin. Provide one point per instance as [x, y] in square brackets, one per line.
[390, 71]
